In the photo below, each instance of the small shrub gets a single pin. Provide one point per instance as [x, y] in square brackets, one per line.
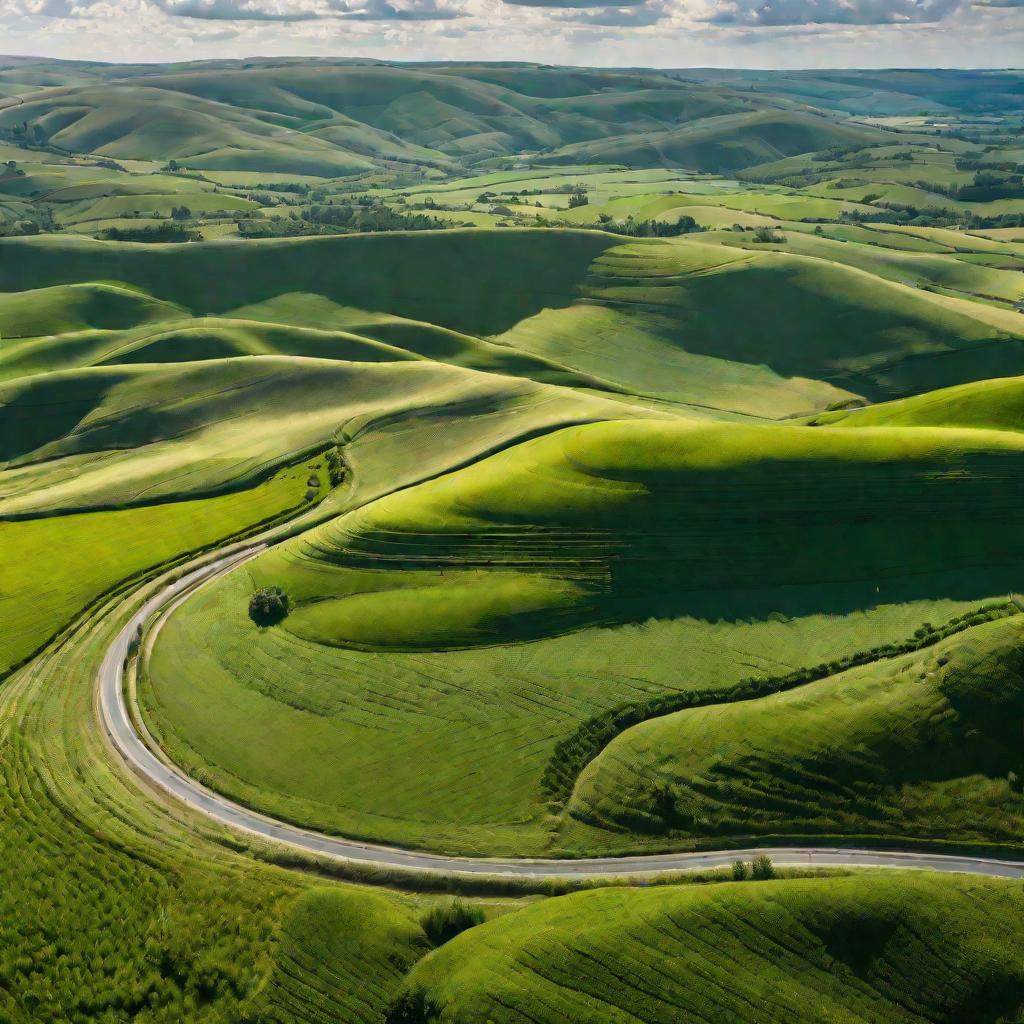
[767, 234]
[740, 870]
[412, 1007]
[762, 868]
[268, 606]
[445, 922]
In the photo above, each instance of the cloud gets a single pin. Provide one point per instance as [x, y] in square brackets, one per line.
[384, 10]
[304, 10]
[573, 4]
[638, 16]
[235, 10]
[828, 12]
[58, 8]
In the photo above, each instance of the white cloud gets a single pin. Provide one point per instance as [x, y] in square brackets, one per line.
[829, 12]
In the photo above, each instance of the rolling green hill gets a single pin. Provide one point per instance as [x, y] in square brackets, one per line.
[619, 522]
[642, 455]
[923, 746]
[902, 948]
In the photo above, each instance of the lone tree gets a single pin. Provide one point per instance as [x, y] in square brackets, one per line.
[269, 605]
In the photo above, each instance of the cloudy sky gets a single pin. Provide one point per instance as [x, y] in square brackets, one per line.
[657, 33]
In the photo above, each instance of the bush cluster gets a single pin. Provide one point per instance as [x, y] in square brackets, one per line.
[337, 469]
[444, 922]
[167, 232]
[269, 605]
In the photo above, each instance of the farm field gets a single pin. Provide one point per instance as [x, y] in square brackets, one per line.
[577, 463]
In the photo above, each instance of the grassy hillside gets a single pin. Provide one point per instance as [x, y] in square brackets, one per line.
[720, 144]
[131, 435]
[98, 550]
[985, 405]
[901, 948]
[764, 332]
[623, 521]
[688, 530]
[341, 957]
[477, 282]
[923, 746]
[567, 307]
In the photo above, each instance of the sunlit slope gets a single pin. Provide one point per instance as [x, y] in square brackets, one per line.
[335, 120]
[77, 307]
[623, 521]
[906, 949]
[764, 331]
[996, 404]
[922, 746]
[53, 567]
[951, 273]
[125, 435]
[137, 122]
[178, 340]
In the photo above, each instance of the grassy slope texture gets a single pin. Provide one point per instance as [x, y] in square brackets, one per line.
[924, 746]
[899, 949]
[693, 554]
[624, 521]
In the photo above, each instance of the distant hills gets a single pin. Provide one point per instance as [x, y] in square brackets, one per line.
[333, 118]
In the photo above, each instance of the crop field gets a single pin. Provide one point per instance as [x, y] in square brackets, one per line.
[618, 463]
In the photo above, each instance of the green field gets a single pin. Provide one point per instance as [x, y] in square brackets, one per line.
[640, 454]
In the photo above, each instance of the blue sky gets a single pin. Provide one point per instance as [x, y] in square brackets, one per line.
[656, 33]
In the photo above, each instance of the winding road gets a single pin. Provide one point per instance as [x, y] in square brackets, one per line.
[114, 709]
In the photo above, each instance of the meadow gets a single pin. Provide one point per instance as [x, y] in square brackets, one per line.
[639, 453]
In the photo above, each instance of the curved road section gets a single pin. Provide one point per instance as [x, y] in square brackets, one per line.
[130, 745]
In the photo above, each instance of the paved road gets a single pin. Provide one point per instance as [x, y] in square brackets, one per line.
[114, 709]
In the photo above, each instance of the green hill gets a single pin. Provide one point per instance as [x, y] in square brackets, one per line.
[720, 144]
[904, 949]
[126, 435]
[622, 521]
[923, 746]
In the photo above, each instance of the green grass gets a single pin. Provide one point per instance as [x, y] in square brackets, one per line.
[920, 747]
[341, 957]
[691, 329]
[503, 275]
[62, 309]
[903, 949]
[985, 405]
[588, 526]
[96, 551]
[119, 435]
[619, 522]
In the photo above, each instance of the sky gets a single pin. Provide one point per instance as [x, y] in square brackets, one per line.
[632, 33]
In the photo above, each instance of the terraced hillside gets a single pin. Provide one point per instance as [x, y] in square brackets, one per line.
[577, 463]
